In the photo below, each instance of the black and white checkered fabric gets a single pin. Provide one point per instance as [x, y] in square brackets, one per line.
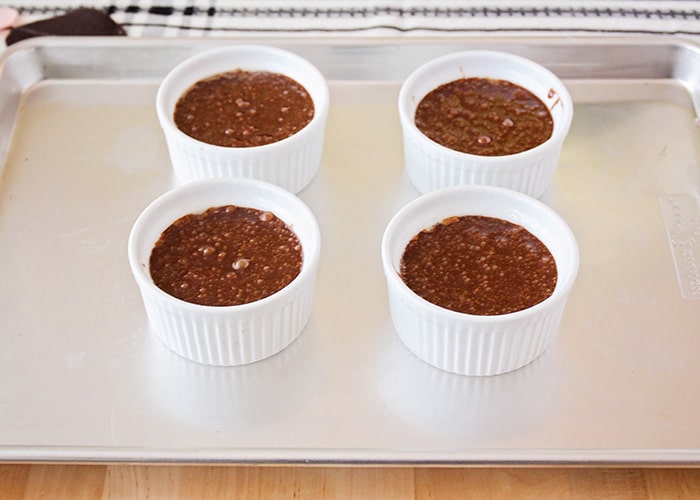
[156, 18]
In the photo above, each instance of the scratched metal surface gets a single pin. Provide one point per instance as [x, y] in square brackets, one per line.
[82, 379]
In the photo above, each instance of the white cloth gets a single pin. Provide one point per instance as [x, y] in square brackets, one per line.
[378, 18]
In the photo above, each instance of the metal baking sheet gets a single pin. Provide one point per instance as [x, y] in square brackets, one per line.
[82, 379]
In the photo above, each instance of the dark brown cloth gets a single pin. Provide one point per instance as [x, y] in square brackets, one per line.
[78, 22]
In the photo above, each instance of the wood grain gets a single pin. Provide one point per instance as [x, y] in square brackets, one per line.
[183, 482]
[24, 482]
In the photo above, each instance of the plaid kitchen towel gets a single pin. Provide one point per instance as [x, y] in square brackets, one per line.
[379, 18]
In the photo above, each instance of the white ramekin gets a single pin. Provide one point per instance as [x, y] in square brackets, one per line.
[471, 344]
[290, 163]
[431, 166]
[228, 335]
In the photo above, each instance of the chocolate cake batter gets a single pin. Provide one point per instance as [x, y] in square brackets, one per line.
[244, 108]
[225, 256]
[484, 117]
[479, 265]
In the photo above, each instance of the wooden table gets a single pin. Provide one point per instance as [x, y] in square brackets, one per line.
[146, 481]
